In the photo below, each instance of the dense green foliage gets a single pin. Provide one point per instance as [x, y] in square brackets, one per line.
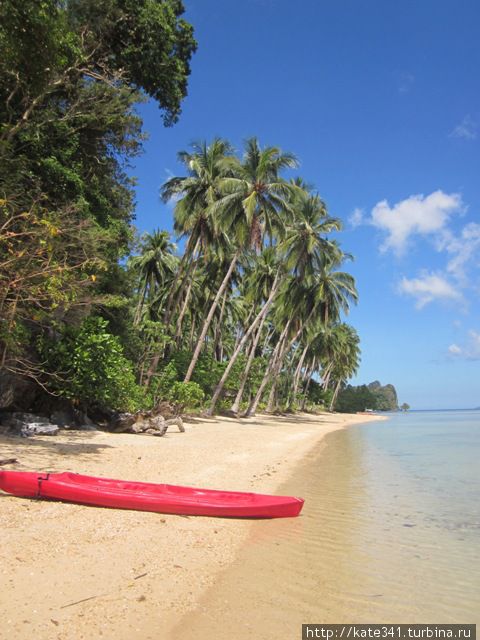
[352, 399]
[373, 396]
[249, 316]
[91, 368]
[70, 76]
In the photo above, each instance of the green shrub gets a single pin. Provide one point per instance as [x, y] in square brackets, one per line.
[186, 395]
[91, 369]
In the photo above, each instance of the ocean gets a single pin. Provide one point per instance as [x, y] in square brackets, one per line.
[390, 533]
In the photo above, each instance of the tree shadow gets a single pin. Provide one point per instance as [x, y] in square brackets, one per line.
[46, 453]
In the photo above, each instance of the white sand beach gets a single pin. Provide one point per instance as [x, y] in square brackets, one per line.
[71, 571]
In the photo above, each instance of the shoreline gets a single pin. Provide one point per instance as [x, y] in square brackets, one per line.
[76, 571]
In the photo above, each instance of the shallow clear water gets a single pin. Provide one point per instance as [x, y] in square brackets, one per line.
[390, 533]
[438, 454]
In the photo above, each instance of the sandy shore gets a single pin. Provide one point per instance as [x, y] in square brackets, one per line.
[70, 571]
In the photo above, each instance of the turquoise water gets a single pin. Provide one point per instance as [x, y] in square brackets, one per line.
[390, 533]
[438, 453]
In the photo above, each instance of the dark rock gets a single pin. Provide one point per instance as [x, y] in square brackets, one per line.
[121, 422]
[16, 391]
[9, 423]
[82, 419]
[63, 418]
[30, 418]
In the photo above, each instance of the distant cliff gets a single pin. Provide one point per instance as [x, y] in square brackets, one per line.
[371, 396]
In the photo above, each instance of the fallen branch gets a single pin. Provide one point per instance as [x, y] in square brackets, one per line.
[72, 604]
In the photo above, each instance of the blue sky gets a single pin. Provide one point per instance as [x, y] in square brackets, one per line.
[380, 101]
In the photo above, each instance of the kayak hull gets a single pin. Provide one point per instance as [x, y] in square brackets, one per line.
[144, 496]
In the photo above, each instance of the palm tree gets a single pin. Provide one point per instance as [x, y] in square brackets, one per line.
[259, 285]
[194, 192]
[257, 324]
[305, 244]
[252, 206]
[346, 357]
[152, 267]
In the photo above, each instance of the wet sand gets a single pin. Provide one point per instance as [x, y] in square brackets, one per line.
[70, 571]
[364, 551]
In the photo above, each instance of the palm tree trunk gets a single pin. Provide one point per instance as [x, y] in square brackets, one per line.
[326, 376]
[335, 394]
[309, 379]
[209, 317]
[238, 337]
[218, 329]
[258, 321]
[171, 301]
[268, 374]
[277, 368]
[238, 399]
[138, 311]
[183, 312]
[298, 370]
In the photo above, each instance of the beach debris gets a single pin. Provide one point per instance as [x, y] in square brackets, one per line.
[144, 422]
[72, 604]
[178, 422]
[142, 575]
[8, 461]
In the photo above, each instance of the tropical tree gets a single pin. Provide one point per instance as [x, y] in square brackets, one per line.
[152, 267]
[252, 205]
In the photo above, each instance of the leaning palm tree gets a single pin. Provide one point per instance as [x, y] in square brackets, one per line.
[267, 280]
[346, 357]
[302, 302]
[194, 194]
[253, 205]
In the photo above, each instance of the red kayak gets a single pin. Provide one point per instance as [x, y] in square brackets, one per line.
[144, 496]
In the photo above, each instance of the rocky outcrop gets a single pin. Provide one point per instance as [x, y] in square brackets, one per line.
[15, 391]
[28, 424]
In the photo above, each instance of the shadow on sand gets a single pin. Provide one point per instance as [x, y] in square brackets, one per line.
[46, 453]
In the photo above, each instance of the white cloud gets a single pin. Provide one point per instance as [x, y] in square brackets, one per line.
[356, 217]
[454, 349]
[418, 214]
[468, 351]
[429, 287]
[463, 249]
[467, 129]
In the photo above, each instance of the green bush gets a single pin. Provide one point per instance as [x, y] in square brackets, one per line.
[186, 395]
[90, 368]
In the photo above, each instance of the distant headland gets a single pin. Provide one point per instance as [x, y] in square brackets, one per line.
[373, 396]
